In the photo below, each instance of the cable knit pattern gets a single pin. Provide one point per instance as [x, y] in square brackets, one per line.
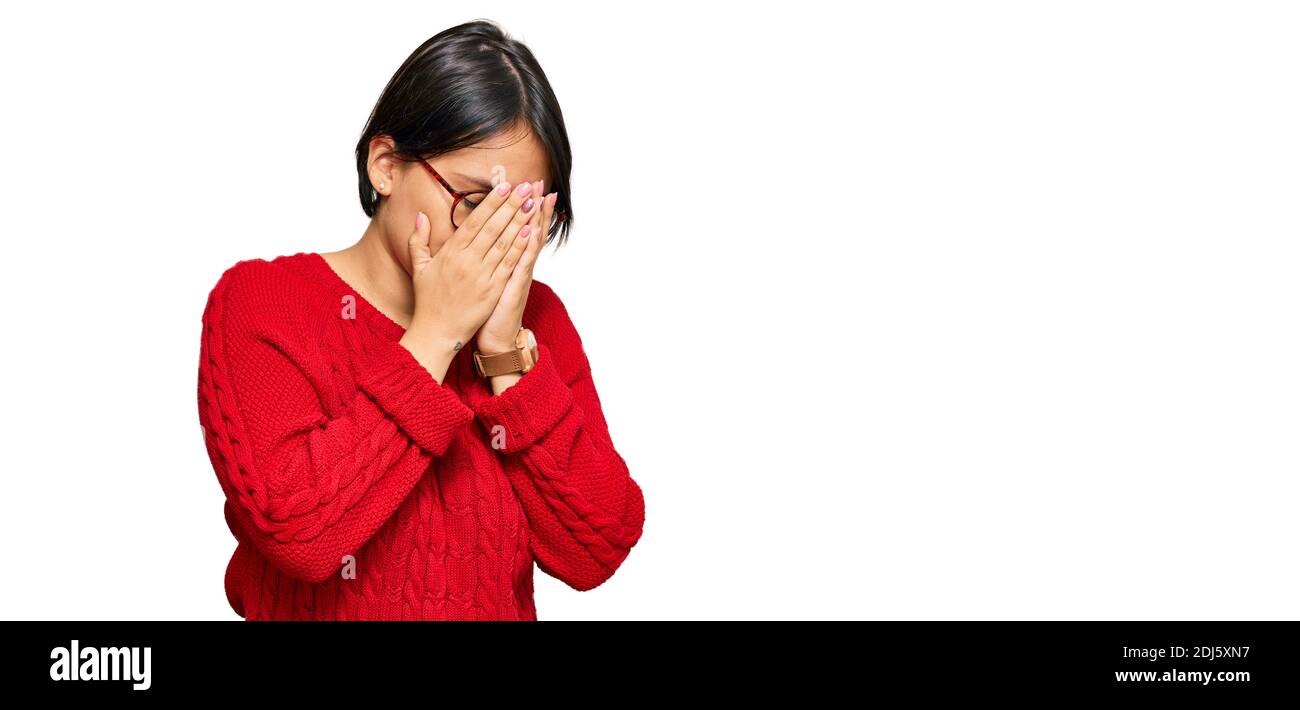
[359, 487]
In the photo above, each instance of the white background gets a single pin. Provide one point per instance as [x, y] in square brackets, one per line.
[927, 310]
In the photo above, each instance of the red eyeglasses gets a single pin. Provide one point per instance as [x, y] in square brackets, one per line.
[464, 201]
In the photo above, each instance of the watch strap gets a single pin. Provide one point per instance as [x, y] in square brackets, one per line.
[520, 359]
[499, 364]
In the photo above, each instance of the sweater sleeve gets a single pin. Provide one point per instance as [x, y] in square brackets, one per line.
[305, 487]
[584, 509]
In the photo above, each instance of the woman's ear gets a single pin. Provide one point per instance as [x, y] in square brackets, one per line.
[381, 165]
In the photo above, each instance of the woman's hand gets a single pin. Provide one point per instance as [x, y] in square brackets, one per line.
[498, 333]
[457, 287]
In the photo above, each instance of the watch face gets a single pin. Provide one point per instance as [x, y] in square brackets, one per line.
[532, 340]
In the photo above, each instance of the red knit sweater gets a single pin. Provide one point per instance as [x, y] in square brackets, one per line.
[358, 487]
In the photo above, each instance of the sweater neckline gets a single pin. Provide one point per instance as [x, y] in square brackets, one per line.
[340, 287]
[461, 365]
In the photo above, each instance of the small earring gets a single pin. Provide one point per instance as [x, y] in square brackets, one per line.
[381, 185]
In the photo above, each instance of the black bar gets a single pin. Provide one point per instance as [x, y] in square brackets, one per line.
[323, 659]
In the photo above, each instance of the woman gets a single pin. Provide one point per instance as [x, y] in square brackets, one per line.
[377, 462]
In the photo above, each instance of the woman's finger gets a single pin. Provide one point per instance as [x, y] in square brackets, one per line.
[418, 243]
[509, 268]
[517, 249]
[525, 216]
[504, 224]
[537, 233]
[497, 198]
[539, 237]
[548, 209]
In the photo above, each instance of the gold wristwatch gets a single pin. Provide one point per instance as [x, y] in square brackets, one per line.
[521, 359]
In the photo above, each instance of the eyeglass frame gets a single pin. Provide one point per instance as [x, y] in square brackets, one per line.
[459, 195]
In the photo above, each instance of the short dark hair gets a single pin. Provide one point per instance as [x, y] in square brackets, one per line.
[461, 86]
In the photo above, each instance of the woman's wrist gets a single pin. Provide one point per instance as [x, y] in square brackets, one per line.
[501, 383]
[432, 348]
[489, 347]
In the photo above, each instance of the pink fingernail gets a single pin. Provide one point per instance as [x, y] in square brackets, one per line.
[528, 204]
[524, 232]
[523, 189]
[503, 188]
[419, 220]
